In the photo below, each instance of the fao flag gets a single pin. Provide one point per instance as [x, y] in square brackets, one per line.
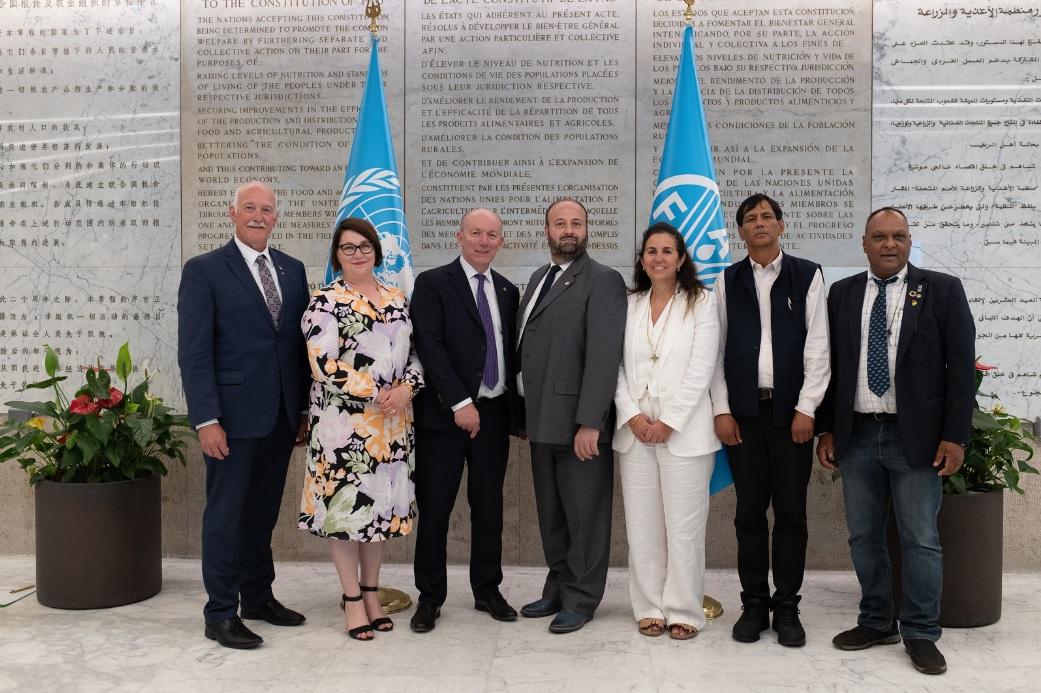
[371, 187]
[687, 196]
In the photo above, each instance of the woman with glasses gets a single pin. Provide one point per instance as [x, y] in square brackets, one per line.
[358, 489]
[665, 435]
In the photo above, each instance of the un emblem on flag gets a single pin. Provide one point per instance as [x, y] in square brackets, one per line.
[375, 195]
[691, 203]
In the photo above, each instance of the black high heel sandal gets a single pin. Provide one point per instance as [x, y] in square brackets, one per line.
[381, 624]
[356, 633]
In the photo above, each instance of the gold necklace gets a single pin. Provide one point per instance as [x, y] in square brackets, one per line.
[650, 309]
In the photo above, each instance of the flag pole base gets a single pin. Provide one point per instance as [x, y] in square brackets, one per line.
[394, 600]
[712, 608]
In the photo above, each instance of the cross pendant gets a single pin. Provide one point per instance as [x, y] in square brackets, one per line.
[654, 357]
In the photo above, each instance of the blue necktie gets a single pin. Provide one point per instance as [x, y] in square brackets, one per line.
[491, 361]
[878, 341]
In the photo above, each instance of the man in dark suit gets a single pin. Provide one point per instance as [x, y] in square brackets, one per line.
[243, 368]
[896, 419]
[571, 328]
[463, 316]
[771, 375]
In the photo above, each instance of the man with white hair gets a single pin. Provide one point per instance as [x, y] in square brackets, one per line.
[243, 368]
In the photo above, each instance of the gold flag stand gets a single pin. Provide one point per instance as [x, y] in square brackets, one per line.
[392, 599]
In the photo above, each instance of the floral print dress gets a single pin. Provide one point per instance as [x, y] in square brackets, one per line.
[358, 484]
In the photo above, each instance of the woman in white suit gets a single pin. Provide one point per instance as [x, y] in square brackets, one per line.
[665, 435]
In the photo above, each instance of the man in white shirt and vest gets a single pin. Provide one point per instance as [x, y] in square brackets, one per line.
[771, 376]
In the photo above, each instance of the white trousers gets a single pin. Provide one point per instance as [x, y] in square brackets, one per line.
[666, 508]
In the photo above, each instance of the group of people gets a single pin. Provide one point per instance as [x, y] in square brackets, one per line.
[395, 397]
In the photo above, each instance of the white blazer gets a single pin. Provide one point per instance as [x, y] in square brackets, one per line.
[689, 348]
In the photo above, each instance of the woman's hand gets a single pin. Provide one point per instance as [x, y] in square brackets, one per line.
[658, 433]
[393, 400]
[639, 425]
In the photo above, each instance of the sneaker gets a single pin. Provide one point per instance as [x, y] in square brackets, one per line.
[924, 656]
[755, 618]
[863, 637]
[789, 629]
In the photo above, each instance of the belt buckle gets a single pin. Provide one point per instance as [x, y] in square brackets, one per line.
[765, 394]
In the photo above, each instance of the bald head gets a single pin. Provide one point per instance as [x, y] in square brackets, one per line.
[479, 237]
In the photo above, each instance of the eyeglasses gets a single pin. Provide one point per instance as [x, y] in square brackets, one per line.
[349, 249]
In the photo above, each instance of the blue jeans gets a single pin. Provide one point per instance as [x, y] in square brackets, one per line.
[875, 475]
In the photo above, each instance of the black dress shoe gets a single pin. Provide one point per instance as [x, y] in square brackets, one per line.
[274, 613]
[425, 618]
[540, 608]
[863, 637]
[924, 656]
[755, 618]
[568, 621]
[233, 633]
[790, 632]
[496, 605]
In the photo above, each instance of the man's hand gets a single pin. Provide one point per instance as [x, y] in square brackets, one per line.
[639, 425]
[826, 450]
[658, 433]
[802, 428]
[949, 457]
[468, 419]
[214, 441]
[585, 443]
[727, 429]
[302, 431]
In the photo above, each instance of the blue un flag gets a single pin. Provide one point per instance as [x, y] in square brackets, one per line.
[687, 196]
[371, 187]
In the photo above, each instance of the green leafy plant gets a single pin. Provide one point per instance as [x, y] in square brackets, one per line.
[103, 434]
[999, 451]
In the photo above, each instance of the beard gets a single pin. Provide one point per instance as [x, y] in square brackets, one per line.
[568, 247]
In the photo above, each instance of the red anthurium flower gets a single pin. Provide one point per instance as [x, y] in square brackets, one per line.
[84, 405]
[984, 367]
[114, 398]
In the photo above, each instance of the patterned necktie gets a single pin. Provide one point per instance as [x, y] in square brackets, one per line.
[878, 341]
[491, 360]
[274, 303]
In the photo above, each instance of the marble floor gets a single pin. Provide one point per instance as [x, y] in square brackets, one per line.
[157, 645]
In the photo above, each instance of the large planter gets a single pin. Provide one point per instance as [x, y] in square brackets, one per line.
[98, 545]
[971, 534]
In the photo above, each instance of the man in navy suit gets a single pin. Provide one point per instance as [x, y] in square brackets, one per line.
[463, 314]
[896, 419]
[243, 368]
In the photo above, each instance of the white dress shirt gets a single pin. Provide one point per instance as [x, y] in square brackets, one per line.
[816, 354]
[527, 313]
[493, 306]
[647, 370]
[866, 401]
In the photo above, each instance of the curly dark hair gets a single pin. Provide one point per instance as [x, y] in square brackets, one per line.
[687, 276]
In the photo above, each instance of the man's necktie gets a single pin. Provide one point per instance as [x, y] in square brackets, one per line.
[546, 286]
[491, 360]
[878, 341]
[274, 303]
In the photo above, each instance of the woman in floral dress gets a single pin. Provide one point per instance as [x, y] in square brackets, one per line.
[358, 489]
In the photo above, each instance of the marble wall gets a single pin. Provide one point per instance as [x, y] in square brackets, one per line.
[126, 124]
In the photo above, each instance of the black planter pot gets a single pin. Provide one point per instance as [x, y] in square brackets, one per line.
[971, 534]
[98, 545]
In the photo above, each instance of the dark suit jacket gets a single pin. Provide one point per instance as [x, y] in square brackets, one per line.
[235, 365]
[935, 372]
[571, 351]
[450, 340]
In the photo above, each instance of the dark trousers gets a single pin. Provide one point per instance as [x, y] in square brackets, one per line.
[440, 458]
[770, 469]
[243, 495]
[573, 499]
